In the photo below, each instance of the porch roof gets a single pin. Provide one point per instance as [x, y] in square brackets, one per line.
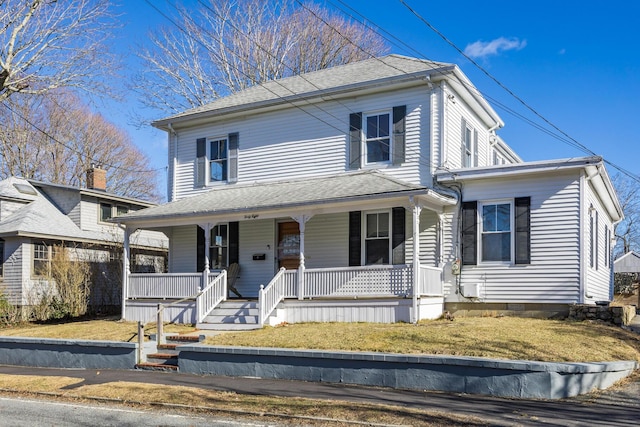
[284, 197]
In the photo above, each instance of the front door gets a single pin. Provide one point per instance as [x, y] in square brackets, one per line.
[288, 245]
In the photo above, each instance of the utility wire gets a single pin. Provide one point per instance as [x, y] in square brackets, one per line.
[575, 143]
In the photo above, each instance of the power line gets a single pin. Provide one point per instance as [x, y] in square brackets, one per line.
[574, 142]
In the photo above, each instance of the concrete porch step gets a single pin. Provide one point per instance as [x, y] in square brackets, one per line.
[228, 326]
[232, 315]
[148, 366]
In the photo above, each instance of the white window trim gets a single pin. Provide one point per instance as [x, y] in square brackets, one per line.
[364, 239]
[212, 244]
[481, 205]
[470, 147]
[209, 160]
[100, 220]
[363, 138]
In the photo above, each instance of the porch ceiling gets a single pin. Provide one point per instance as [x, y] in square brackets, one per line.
[338, 193]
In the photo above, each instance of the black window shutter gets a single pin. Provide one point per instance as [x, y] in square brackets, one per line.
[463, 144]
[523, 230]
[233, 157]
[201, 161]
[475, 148]
[355, 246]
[469, 233]
[397, 235]
[399, 128]
[200, 242]
[355, 140]
[234, 242]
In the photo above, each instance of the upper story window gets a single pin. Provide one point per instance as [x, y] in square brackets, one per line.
[216, 160]
[469, 146]
[378, 138]
[106, 211]
[122, 210]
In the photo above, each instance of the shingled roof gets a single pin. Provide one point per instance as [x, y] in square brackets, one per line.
[283, 194]
[349, 77]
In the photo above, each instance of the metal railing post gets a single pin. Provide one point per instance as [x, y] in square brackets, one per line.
[140, 341]
[159, 326]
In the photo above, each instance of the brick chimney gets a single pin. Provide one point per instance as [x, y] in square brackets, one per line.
[96, 178]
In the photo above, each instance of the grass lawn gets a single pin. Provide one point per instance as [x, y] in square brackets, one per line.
[494, 337]
[109, 329]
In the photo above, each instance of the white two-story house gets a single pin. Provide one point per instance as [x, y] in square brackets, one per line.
[38, 217]
[374, 191]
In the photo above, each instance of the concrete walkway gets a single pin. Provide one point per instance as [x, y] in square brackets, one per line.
[604, 408]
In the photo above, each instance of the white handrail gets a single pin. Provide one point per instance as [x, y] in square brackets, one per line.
[211, 296]
[270, 296]
[359, 281]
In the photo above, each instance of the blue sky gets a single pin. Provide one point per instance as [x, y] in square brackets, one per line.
[575, 63]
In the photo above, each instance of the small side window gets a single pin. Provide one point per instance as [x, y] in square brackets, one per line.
[106, 211]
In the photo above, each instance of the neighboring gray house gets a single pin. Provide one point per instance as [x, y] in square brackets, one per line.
[374, 191]
[37, 216]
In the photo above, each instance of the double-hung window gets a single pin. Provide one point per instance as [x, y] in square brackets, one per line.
[377, 235]
[106, 211]
[218, 160]
[219, 247]
[41, 259]
[378, 138]
[469, 142]
[496, 235]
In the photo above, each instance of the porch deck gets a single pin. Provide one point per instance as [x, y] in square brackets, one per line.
[381, 293]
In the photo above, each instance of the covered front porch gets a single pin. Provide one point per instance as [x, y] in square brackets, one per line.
[369, 293]
[369, 249]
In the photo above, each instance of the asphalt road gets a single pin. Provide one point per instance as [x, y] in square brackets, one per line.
[41, 413]
[619, 407]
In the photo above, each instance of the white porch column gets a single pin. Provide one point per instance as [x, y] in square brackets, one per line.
[416, 260]
[126, 270]
[302, 221]
[207, 262]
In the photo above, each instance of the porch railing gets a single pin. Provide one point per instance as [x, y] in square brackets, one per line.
[169, 285]
[358, 281]
[270, 296]
[431, 281]
[212, 295]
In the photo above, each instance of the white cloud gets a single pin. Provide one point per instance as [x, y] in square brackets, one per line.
[482, 49]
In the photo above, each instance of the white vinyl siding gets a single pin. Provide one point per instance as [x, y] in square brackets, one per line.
[293, 143]
[553, 276]
[14, 273]
[327, 241]
[183, 249]
[598, 277]
[456, 115]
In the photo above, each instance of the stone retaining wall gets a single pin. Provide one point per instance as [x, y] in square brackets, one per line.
[618, 315]
[505, 378]
[57, 353]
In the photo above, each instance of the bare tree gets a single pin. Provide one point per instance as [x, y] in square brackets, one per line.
[50, 44]
[55, 138]
[225, 46]
[628, 231]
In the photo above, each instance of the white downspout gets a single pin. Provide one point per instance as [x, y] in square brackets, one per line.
[125, 270]
[415, 317]
[174, 162]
